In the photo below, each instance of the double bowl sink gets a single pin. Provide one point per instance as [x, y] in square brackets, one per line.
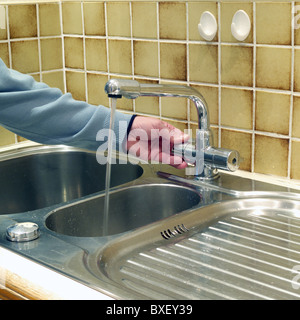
[165, 236]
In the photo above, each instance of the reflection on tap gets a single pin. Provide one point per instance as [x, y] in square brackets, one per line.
[206, 158]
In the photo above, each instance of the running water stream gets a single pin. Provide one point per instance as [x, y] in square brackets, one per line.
[108, 166]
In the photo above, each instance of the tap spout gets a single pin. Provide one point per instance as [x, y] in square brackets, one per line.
[132, 89]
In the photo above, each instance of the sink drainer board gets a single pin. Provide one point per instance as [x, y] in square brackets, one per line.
[239, 249]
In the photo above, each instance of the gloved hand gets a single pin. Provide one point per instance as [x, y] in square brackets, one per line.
[152, 140]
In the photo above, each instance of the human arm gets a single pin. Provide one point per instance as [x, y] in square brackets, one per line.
[37, 112]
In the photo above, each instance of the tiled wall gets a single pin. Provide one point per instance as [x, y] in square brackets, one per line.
[32, 44]
[252, 87]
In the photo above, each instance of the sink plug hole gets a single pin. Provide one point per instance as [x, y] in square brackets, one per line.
[177, 230]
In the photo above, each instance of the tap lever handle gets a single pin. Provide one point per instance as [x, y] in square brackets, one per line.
[218, 158]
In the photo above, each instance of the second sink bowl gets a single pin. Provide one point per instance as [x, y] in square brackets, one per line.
[129, 208]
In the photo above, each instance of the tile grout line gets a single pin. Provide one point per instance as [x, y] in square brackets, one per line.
[9, 50]
[158, 48]
[292, 92]
[188, 106]
[219, 75]
[63, 46]
[106, 36]
[132, 50]
[254, 89]
[219, 85]
[84, 51]
[107, 47]
[8, 37]
[39, 41]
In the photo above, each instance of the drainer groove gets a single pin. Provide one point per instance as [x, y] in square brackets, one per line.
[177, 230]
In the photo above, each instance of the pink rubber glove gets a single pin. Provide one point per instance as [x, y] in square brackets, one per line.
[152, 139]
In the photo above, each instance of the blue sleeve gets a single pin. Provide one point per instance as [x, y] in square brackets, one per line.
[37, 112]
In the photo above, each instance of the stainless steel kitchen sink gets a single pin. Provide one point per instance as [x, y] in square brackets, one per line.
[41, 177]
[169, 236]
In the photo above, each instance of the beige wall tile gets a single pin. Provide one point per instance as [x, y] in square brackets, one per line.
[54, 79]
[227, 12]
[51, 53]
[214, 134]
[147, 105]
[177, 124]
[125, 104]
[118, 19]
[272, 112]
[273, 68]
[195, 10]
[145, 58]
[20, 139]
[3, 32]
[237, 65]
[174, 108]
[144, 20]
[273, 65]
[36, 77]
[4, 55]
[297, 24]
[74, 52]
[173, 61]
[211, 96]
[236, 108]
[22, 21]
[295, 160]
[296, 118]
[120, 56]
[239, 141]
[203, 63]
[72, 18]
[95, 52]
[271, 155]
[76, 84]
[49, 19]
[97, 96]
[6, 137]
[273, 23]
[94, 18]
[25, 56]
[297, 70]
[172, 20]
